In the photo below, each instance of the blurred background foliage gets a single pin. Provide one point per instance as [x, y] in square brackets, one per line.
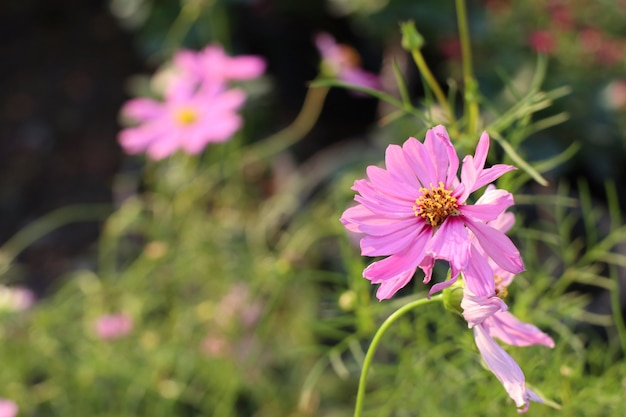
[246, 295]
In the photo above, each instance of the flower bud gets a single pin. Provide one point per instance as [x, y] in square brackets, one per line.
[452, 297]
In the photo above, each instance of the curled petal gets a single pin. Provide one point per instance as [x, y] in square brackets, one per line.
[505, 369]
[477, 309]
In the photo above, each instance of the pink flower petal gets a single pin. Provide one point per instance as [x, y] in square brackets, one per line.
[489, 209]
[142, 109]
[451, 242]
[397, 164]
[477, 309]
[510, 330]
[443, 155]
[420, 162]
[505, 369]
[389, 244]
[389, 287]
[497, 245]
[399, 263]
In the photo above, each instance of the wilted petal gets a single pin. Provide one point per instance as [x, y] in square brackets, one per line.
[505, 369]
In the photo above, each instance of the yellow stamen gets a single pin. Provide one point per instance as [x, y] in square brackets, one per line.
[185, 116]
[501, 290]
[435, 204]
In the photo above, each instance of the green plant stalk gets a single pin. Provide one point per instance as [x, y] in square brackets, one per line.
[472, 112]
[304, 122]
[616, 307]
[433, 84]
[369, 356]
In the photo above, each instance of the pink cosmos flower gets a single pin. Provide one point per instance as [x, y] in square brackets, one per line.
[343, 62]
[113, 326]
[213, 65]
[8, 408]
[187, 120]
[485, 312]
[416, 211]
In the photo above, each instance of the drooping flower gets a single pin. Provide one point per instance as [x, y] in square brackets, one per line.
[416, 211]
[187, 120]
[343, 62]
[8, 408]
[113, 326]
[486, 313]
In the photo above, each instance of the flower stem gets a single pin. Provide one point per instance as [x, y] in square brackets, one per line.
[433, 84]
[304, 122]
[369, 356]
[616, 307]
[470, 85]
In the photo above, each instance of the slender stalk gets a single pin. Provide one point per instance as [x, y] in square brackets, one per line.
[304, 122]
[432, 83]
[469, 97]
[369, 356]
[616, 307]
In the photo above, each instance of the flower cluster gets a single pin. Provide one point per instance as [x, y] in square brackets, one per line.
[198, 107]
[417, 210]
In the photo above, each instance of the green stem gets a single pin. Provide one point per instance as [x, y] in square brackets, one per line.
[189, 13]
[616, 307]
[432, 83]
[304, 122]
[471, 105]
[369, 356]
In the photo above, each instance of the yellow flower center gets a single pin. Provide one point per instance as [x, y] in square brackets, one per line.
[186, 116]
[435, 204]
[501, 291]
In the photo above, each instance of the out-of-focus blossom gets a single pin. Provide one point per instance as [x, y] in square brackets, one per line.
[615, 95]
[561, 15]
[486, 313]
[8, 408]
[343, 62]
[542, 41]
[198, 106]
[416, 211]
[113, 326]
[187, 120]
[213, 65]
[15, 299]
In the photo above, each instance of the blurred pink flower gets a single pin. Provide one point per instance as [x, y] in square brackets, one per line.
[16, 298]
[187, 120]
[485, 312]
[343, 62]
[8, 408]
[415, 211]
[113, 326]
[542, 41]
[213, 65]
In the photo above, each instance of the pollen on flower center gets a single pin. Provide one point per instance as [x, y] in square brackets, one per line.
[435, 204]
[501, 291]
[185, 116]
